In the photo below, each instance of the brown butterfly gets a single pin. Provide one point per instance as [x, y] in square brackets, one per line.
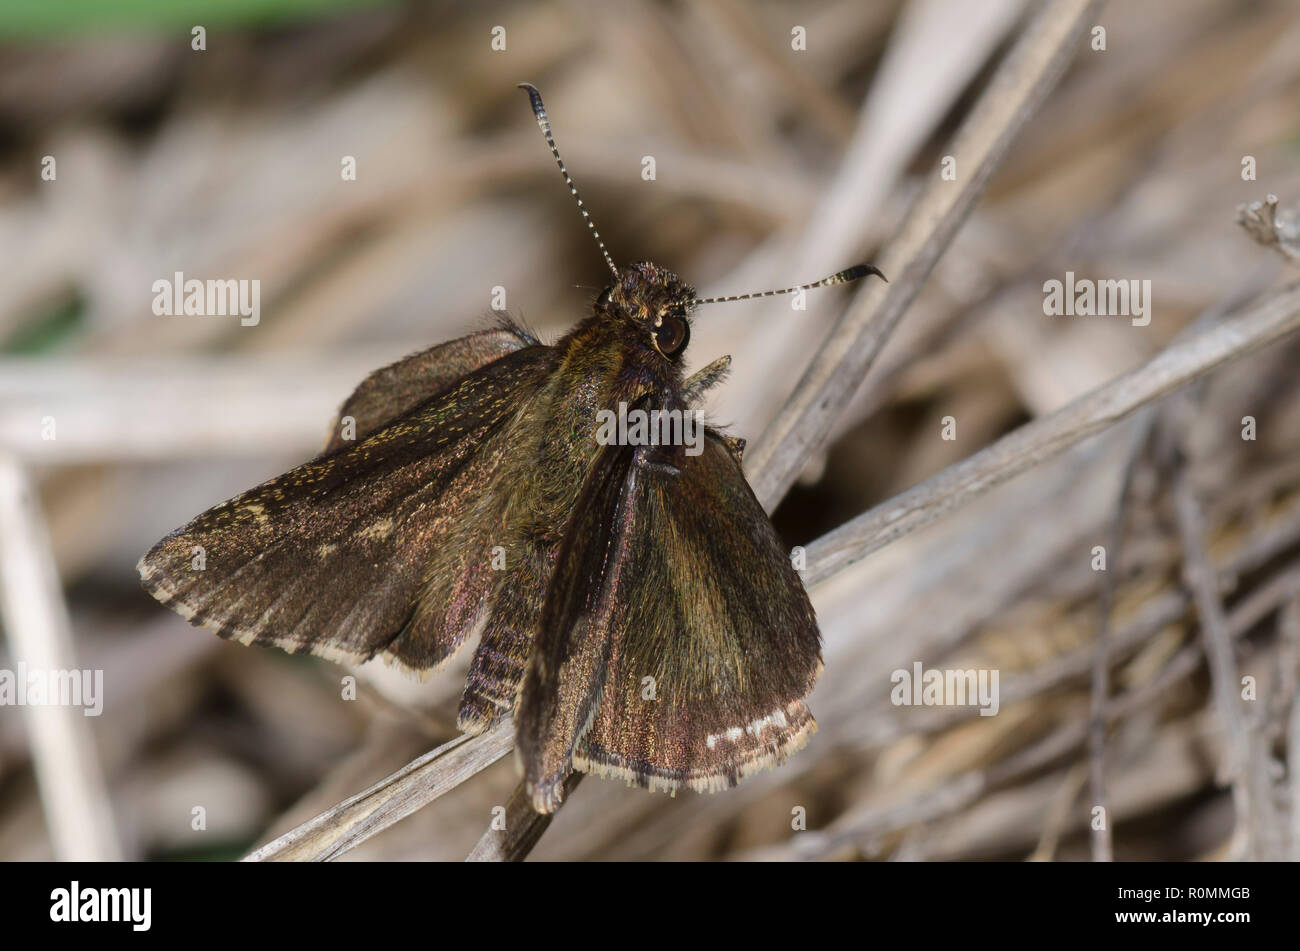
[637, 613]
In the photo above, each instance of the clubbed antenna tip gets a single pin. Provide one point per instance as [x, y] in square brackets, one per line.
[857, 273]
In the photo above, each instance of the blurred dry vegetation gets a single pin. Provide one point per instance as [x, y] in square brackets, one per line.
[772, 166]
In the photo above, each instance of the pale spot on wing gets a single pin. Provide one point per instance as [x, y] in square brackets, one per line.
[380, 529]
[795, 724]
[754, 728]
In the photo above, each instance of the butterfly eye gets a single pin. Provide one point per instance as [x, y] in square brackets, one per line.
[671, 334]
[603, 300]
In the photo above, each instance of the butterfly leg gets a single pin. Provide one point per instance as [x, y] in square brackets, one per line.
[707, 378]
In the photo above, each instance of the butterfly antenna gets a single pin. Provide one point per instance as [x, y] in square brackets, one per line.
[544, 123]
[854, 273]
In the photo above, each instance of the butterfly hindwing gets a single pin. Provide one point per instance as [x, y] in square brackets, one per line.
[712, 643]
[379, 547]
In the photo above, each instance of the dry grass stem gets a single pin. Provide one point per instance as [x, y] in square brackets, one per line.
[73, 792]
[1253, 327]
[393, 798]
[1023, 81]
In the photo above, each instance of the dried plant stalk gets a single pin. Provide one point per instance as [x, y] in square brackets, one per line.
[73, 791]
[395, 797]
[1248, 330]
[1022, 82]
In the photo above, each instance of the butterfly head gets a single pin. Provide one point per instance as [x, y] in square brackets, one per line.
[655, 302]
[652, 299]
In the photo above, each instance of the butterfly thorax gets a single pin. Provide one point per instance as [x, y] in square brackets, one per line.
[608, 363]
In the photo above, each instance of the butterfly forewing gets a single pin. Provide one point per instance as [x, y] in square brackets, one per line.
[706, 685]
[712, 645]
[582, 614]
[381, 547]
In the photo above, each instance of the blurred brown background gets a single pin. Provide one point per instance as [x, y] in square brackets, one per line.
[772, 166]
